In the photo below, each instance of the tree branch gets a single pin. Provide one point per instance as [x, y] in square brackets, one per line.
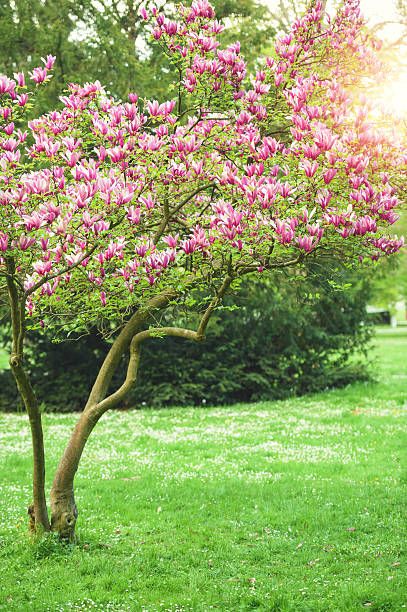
[50, 277]
[122, 343]
[190, 196]
[39, 512]
[284, 264]
[135, 348]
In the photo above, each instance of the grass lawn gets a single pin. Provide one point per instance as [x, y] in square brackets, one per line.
[3, 359]
[295, 505]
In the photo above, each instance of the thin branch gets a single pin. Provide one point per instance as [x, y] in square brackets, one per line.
[161, 228]
[285, 264]
[190, 196]
[122, 343]
[50, 277]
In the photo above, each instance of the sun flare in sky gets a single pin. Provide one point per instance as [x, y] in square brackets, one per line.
[391, 95]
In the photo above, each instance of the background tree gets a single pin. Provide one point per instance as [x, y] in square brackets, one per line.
[106, 40]
[29, 30]
[284, 339]
[117, 32]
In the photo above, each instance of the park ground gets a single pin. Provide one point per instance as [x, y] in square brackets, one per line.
[294, 505]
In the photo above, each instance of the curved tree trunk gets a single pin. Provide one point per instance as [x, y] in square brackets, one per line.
[63, 507]
[64, 511]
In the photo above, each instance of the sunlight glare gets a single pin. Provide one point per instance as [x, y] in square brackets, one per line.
[392, 95]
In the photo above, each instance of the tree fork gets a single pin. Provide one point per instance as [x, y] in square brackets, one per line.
[64, 512]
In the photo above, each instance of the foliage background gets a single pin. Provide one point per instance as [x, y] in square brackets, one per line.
[106, 40]
[275, 339]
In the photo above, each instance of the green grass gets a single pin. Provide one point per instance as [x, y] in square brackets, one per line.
[296, 505]
[3, 359]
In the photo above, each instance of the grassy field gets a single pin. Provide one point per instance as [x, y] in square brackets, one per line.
[296, 505]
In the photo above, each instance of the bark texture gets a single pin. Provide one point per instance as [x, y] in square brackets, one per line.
[38, 510]
[63, 513]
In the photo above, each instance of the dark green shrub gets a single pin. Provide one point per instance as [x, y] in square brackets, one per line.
[282, 341]
[62, 374]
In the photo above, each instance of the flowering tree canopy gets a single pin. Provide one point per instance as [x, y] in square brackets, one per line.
[105, 203]
[108, 208]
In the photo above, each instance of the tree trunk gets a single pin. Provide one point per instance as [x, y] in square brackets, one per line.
[38, 510]
[63, 507]
[64, 512]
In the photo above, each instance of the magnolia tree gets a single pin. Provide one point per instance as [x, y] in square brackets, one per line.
[123, 210]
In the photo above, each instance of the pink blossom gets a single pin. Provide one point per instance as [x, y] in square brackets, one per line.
[285, 233]
[20, 78]
[363, 225]
[6, 110]
[329, 175]
[49, 61]
[143, 13]
[22, 99]
[6, 85]
[24, 242]
[42, 267]
[133, 214]
[170, 27]
[309, 168]
[38, 75]
[189, 245]
[3, 241]
[306, 243]
[157, 33]
[171, 240]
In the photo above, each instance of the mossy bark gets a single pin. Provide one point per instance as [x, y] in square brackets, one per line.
[64, 513]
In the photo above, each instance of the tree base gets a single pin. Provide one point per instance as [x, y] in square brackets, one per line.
[64, 514]
[34, 526]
